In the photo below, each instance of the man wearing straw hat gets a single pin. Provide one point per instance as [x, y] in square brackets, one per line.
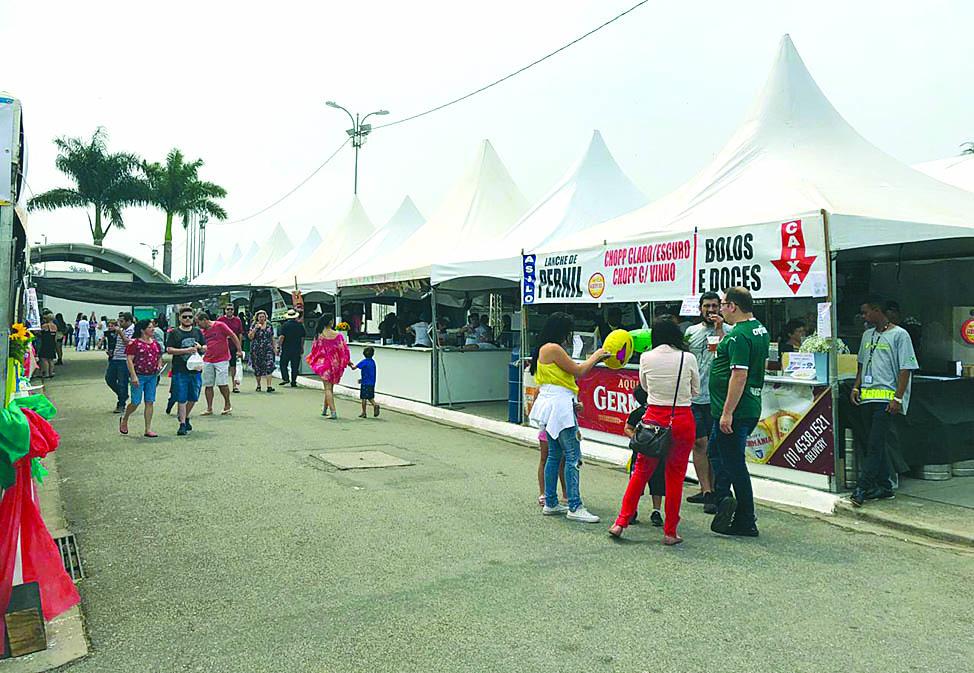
[291, 346]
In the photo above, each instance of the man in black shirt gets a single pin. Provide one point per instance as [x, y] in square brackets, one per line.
[182, 342]
[291, 345]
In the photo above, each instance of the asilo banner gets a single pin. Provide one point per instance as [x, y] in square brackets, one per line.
[659, 267]
[777, 259]
[795, 430]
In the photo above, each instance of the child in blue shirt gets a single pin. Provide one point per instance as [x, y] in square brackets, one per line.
[367, 382]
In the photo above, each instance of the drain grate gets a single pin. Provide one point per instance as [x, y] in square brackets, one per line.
[70, 556]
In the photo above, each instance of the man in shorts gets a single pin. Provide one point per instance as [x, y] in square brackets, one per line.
[230, 319]
[181, 342]
[216, 360]
[703, 339]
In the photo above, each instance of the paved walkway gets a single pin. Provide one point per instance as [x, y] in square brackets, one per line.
[236, 550]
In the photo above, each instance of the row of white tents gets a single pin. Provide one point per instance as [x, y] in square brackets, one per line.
[793, 154]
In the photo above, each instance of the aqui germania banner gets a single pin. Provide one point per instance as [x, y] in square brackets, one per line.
[776, 259]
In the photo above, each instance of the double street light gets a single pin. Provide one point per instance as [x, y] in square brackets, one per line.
[357, 133]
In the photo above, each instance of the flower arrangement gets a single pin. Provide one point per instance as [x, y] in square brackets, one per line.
[817, 344]
[20, 338]
[342, 326]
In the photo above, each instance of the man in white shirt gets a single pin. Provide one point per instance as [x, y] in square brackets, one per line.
[703, 339]
[421, 330]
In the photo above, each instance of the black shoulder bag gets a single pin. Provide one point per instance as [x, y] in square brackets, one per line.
[651, 440]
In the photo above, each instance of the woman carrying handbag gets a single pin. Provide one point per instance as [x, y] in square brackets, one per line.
[670, 376]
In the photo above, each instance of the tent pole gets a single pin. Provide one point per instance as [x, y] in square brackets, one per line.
[435, 357]
[837, 482]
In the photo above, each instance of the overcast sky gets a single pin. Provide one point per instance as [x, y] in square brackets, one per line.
[243, 85]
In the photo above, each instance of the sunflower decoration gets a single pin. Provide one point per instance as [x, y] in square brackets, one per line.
[342, 326]
[20, 338]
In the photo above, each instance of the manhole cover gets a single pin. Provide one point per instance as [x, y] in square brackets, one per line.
[362, 460]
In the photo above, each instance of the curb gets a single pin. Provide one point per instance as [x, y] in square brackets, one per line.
[765, 490]
[845, 510]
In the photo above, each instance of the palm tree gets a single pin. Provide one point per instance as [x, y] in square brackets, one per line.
[968, 148]
[107, 182]
[175, 188]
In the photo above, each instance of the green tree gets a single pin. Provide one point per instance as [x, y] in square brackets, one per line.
[175, 188]
[104, 181]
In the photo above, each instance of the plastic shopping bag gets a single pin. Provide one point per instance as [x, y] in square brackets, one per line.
[238, 374]
[195, 363]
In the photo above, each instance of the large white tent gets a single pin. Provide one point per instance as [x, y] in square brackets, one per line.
[209, 276]
[338, 243]
[274, 248]
[593, 190]
[218, 265]
[482, 207]
[292, 260]
[793, 154]
[403, 224]
[956, 171]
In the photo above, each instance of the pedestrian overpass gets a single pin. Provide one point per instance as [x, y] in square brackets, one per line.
[98, 257]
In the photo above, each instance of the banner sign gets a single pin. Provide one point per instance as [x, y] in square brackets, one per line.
[32, 311]
[795, 430]
[606, 398]
[777, 259]
[610, 274]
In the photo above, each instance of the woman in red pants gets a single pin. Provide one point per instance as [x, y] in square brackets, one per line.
[670, 376]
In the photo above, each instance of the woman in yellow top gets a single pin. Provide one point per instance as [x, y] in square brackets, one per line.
[554, 410]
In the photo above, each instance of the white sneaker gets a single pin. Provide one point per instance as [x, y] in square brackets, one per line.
[583, 515]
[552, 511]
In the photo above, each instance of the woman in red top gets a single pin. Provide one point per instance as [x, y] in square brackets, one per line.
[328, 358]
[144, 357]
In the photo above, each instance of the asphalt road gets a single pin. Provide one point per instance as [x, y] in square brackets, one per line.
[237, 549]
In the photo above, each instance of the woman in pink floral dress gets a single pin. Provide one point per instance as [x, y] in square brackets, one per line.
[328, 358]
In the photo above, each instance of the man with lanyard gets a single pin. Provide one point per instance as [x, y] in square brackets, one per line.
[290, 343]
[736, 385]
[882, 391]
[118, 364]
[236, 326]
[703, 339]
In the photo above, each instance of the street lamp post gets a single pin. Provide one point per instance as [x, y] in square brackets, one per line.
[357, 133]
[203, 221]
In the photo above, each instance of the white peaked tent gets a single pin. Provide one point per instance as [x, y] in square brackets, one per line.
[956, 171]
[233, 272]
[595, 189]
[210, 275]
[482, 207]
[291, 260]
[339, 242]
[218, 265]
[404, 223]
[274, 248]
[794, 154]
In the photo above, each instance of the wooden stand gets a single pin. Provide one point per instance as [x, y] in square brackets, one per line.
[24, 622]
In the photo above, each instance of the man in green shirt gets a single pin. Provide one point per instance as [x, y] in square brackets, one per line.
[736, 384]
